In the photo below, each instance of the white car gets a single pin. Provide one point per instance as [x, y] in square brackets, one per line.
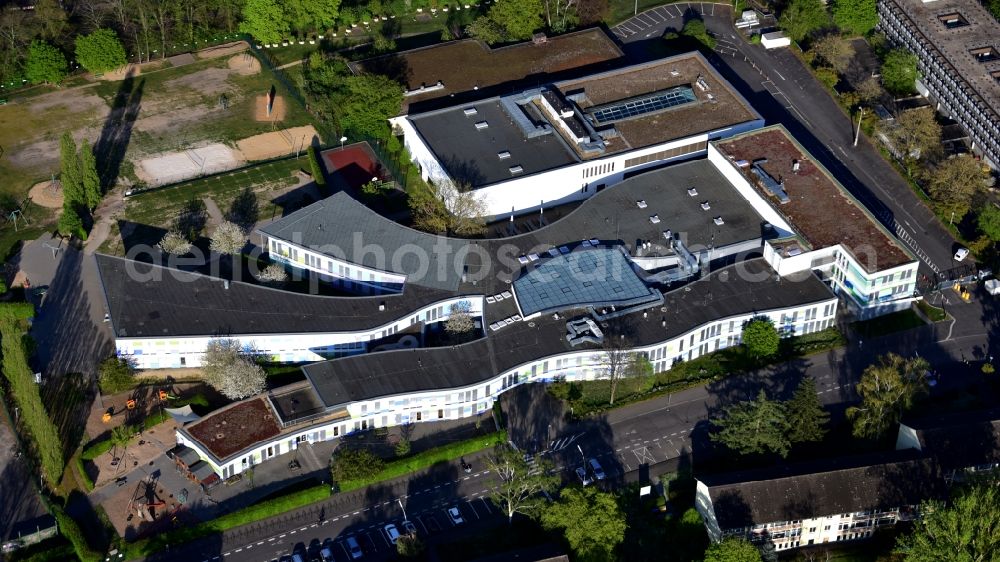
[581, 473]
[961, 254]
[595, 467]
[455, 515]
[392, 533]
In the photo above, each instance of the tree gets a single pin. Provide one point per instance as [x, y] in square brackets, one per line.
[310, 15]
[869, 90]
[70, 223]
[51, 18]
[229, 367]
[228, 239]
[887, 389]
[70, 176]
[115, 374]
[274, 274]
[899, 71]
[695, 29]
[988, 221]
[915, 133]
[316, 167]
[460, 320]
[427, 211]
[467, 211]
[89, 178]
[732, 549]
[589, 519]
[802, 17]
[953, 184]
[45, 65]
[855, 16]
[755, 426]
[174, 243]
[409, 546]
[761, 337]
[835, 51]
[265, 21]
[402, 447]
[619, 361]
[368, 102]
[518, 18]
[100, 51]
[806, 416]
[967, 530]
[354, 464]
[486, 30]
[521, 485]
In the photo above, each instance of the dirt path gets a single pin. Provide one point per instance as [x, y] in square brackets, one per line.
[215, 217]
[104, 216]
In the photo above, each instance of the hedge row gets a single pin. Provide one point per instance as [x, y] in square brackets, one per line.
[26, 393]
[69, 529]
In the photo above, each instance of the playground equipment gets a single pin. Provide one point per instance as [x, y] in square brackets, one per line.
[962, 292]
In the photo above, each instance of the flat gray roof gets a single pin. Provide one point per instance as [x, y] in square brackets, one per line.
[592, 276]
[341, 226]
[471, 155]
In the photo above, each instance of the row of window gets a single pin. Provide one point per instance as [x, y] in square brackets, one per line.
[599, 170]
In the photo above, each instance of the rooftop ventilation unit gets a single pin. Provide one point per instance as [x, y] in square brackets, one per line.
[718, 221]
[470, 111]
[482, 125]
[641, 204]
[655, 219]
[566, 113]
[516, 169]
[795, 166]
[674, 72]
[692, 191]
[705, 206]
[503, 155]
[702, 84]
[668, 234]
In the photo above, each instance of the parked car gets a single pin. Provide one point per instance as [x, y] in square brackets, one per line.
[455, 515]
[409, 528]
[961, 254]
[392, 533]
[354, 548]
[326, 554]
[581, 473]
[595, 467]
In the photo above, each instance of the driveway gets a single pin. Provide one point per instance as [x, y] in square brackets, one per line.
[779, 87]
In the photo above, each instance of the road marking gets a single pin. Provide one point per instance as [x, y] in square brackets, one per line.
[282, 536]
[486, 504]
[474, 510]
[260, 543]
[779, 75]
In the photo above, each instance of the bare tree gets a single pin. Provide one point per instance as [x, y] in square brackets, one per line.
[467, 208]
[620, 362]
[869, 90]
[460, 320]
[229, 367]
[521, 485]
[175, 243]
[273, 274]
[835, 51]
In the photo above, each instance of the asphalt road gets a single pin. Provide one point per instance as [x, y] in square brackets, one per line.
[777, 84]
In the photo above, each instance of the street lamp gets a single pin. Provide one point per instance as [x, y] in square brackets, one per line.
[342, 139]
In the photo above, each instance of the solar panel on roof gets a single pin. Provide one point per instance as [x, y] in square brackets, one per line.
[642, 105]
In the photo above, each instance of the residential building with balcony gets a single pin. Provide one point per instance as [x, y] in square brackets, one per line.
[957, 44]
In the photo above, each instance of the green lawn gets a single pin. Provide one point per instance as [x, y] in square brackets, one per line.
[426, 459]
[888, 324]
[934, 313]
[161, 206]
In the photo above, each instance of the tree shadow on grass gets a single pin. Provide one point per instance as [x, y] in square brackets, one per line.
[111, 146]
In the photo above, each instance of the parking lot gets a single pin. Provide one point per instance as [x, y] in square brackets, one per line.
[373, 539]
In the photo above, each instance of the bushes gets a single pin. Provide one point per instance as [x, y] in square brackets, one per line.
[315, 167]
[84, 477]
[69, 529]
[96, 449]
[26, 393]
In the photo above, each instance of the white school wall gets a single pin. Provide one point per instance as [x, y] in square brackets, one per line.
[476, 399]
[178, 352]
[562, 185]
